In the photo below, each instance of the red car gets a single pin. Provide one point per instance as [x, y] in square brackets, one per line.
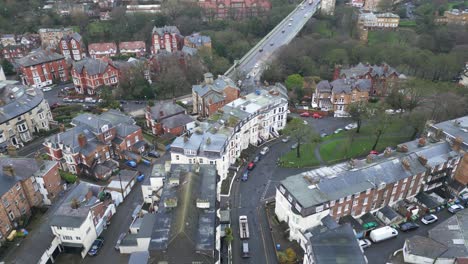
[251, 165]
[316, 116]
[374, 152]
[305, 114]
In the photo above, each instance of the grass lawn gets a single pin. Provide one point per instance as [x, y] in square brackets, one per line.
[407, 23]
[375, 37]
[307, 159]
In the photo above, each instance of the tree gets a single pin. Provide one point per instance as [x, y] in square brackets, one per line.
[379, 122]
[8, 67]
[133, 84]
[294, 81]
[385, 6]
[300, 133]
[358, 112]
[228, 235]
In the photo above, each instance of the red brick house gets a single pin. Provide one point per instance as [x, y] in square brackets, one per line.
[90, 74]
[211, 95]
[72, 47]
[100, 50]
[13, 52]
[26, 183]
[42, 68]
[166, 38]
[90, 147]
[167, 117]
[136, 48]
[382, 77]
[222, 9]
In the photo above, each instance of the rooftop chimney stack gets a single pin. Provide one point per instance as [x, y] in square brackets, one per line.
[457, 142]
[62, 128]
[82, 140]
[8, 170]
[208, 78]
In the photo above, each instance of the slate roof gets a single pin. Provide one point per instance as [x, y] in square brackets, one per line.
[456, 128]
[389, 213]
[166, 29]
[66, 216]
[177, 121]
[324, 86]
[76, 36]
[424, 246]
[427, 200]
[198, 40]
[218, 86]
[17, 99]
[167, 108]
[139, 257]
[347, 85]
[186, 234]
[325, 184]
[361, 70]
[91, 66]
[132, 45]
[189, 51]
[102, 47]
[39, 57]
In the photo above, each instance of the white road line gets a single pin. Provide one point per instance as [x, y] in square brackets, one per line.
[240, 201]
[266, 190]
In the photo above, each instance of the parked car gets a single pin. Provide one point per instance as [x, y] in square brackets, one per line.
[364, 243]
[140, 177]
[294, 146]
[317, 116]
[351, 126]
[154, 154]
[67, 100]
[286, 139]
[455, 208]
[408, 226]
[257, 158]
[429, 219]
[264, 151]
[54, 105]
[323, 135]
[374, 152]
[305, 114]
[370, 225]
[131, 163]
[256, 65]
[245, 176]
[46, 89]
[96, 246]
[251, 165]
[119, 240]
[339, 130]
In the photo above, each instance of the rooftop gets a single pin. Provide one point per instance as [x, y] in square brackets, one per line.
[217, 85]
[166, 29]
[361, 70]
[325, 184]
[90, 66]
[455, 128]
[164, 109]
[424, 246]
[102, 47]
[453, 233]
[198, 40]
[17, 99]
[39, 57]
[184, 232]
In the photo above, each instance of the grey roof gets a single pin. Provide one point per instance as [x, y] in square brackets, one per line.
[110, 118]
[456, 128]
[218, 86]
[167, 109]
[427, 200]
[361, 70]
[91, 66]
[337, 245]
[124, 130]
[424, 246]
[76, 36]
[177, 121]
[17, 99]
[166, 29]
[125, 175]
[453, 233]
[140, 257]
[189, 51]
[38, 57]
[24, 168]
[348, 85]
[146, 226]
[198, 40]
[389, 213]
[324, 86]
[185, 234]
[200, 143]
[331, 183]
[66, 216]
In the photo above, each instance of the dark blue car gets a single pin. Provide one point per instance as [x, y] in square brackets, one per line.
[245, 176]
[96, 246]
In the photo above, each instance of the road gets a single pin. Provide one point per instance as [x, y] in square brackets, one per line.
[254, 61]
[380, 253]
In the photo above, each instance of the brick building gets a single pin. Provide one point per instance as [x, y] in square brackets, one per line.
[50, 37]
[378, 21]
[167, 117]
[42, 68]
[361, 186]
[166, 38]
[197, 41]
[90, 147]
[25, 183]
[90, 74]
[7, 40]
[382, 77]
[223, 9]
[338, 94]
[72, 47]
[133, 48]
[100, 50]
[13, 52]
[212, 94]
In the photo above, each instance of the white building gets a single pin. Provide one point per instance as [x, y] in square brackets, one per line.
[121, 185]
[139, 241]
[81, 218]
[383, 20]
[251, 119]
[152, 186]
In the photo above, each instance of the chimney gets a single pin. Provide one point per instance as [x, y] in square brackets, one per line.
[422, 142]
[11, 150]
[402, 148]
[370, 158]
[161, 113]
[62, 128]
[388, 152]
[82, 140]
[9, 170]
[457, 142]
[208, 78]
[423, 160]
[406, 164]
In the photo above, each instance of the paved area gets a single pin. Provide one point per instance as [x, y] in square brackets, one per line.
[326, 124]
[381, 252]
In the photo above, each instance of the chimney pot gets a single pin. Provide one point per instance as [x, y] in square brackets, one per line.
[161, 113]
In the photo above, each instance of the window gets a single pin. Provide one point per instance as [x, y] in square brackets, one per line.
[78, 238]
[21, 196]
[22, 127]
[338, 210]
[128, 143]
[290, 199]
[298, 207]
[107, 134]
[201, 160]
[177, 157]
[11, 215]
[332, 203]
[59, 227]
[319, 209]
[368, 191]
[348, 198]
[41, 115]
[281, 189]
[365, 200]
[107, 155]
[18, 187]
[70, 228]
[5, 202]
[355, 202]
[89, 229]
[137, 139]
[23, 211]
[67, 237]
[341, 200]
[346, 207]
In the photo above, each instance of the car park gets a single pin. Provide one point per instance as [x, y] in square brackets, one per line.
[305, 114]
[251, 165]
[245, 176]
[339, 130]
[154, 154]
[131, 163]
[286, 139]
[408, 226]
[264, 151]
[317, 116]
[455, 208]
[119, 240]
[364, 243]
[96, 246]
[294, 146]
[429, 219]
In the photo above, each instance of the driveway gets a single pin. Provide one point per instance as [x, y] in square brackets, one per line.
[381, 252]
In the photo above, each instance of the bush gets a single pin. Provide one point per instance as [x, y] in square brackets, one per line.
[68, 177]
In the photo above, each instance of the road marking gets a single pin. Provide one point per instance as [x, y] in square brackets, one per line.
[261, 233]
[240, 200]
[266, 190]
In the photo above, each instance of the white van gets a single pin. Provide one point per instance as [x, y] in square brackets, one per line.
[383, 233]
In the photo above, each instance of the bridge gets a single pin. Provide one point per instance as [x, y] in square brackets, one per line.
[250, 67]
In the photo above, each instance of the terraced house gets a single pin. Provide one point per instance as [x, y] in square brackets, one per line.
[360, 186]
[90, 147]
[23, 111]
[251, 119]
